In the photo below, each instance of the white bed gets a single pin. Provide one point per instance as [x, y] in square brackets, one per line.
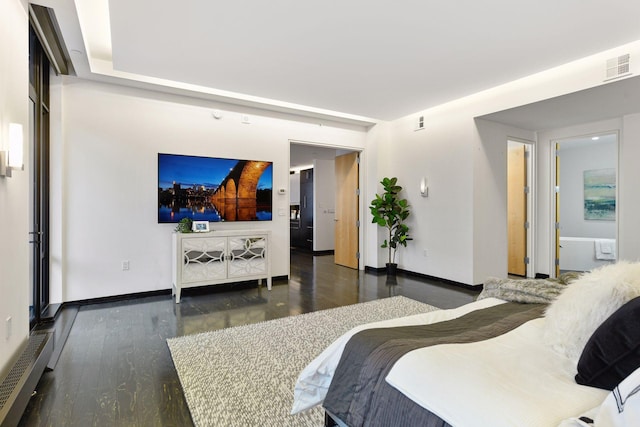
[313, 382]
[532, 386]
[523, 377]
[529, 376]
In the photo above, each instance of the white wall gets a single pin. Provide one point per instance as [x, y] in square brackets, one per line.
[56, 213]
[14, 191]
[109, 150]
[573, 162]
[324, 204]
[374, 164]
[441, 224]
[628, 196]
[462, 223]
[490, 197]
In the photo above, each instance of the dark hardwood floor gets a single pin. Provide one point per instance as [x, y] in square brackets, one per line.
[115, 368]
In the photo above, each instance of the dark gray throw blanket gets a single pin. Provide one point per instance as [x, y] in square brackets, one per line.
[360, 396]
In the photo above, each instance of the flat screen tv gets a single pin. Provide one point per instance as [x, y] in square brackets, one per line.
[213, 189]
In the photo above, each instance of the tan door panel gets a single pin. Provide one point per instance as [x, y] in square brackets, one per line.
[346, 219]
[517, 209]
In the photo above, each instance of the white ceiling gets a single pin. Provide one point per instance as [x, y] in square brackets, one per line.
[370, 59]
[609, 101]
[303, 155]
[580, 142]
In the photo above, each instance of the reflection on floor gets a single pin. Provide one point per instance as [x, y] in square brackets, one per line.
[116, 369]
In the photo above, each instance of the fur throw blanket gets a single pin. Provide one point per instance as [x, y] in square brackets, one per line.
[587, 302]
[530, 291]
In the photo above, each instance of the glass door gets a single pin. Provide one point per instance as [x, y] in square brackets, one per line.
[33, 295]
[39, 70]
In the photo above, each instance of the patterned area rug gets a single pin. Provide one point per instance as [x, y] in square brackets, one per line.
[244, 376]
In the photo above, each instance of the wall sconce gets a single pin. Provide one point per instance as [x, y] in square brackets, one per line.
[424, 189]
[13, 158]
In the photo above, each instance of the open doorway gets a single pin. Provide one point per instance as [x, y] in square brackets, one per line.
[318, 191]
[586, 199]
[519, 207]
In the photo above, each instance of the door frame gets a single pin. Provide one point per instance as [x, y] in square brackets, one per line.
[39, 149]
[361, 184]
[554, 232]
[531, 203]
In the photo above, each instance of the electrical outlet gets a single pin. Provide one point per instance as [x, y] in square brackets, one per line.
[9, 327]
[424, 253]
[125, 265]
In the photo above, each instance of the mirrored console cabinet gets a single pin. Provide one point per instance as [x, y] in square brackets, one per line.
[220, 257]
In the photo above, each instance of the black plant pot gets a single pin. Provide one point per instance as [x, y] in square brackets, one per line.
[391, 273]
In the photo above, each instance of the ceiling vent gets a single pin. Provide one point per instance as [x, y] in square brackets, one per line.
[618, 67]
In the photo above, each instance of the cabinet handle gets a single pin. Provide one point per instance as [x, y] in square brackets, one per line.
[305, 202]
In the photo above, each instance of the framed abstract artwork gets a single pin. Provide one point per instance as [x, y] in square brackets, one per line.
[600, 194]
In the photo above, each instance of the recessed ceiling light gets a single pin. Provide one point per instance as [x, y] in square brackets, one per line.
[595, 138]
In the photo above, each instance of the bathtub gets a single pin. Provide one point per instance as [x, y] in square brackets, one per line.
[579, 253]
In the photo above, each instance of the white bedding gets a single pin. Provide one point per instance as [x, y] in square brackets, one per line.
[461, 383]
[313, 382]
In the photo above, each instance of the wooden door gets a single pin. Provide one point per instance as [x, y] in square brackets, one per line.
[517, 209]
[346, 219]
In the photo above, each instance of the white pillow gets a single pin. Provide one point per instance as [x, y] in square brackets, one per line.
[621, 408]
[587, 302]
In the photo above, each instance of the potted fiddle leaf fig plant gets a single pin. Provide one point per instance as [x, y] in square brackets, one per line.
[390, 211]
